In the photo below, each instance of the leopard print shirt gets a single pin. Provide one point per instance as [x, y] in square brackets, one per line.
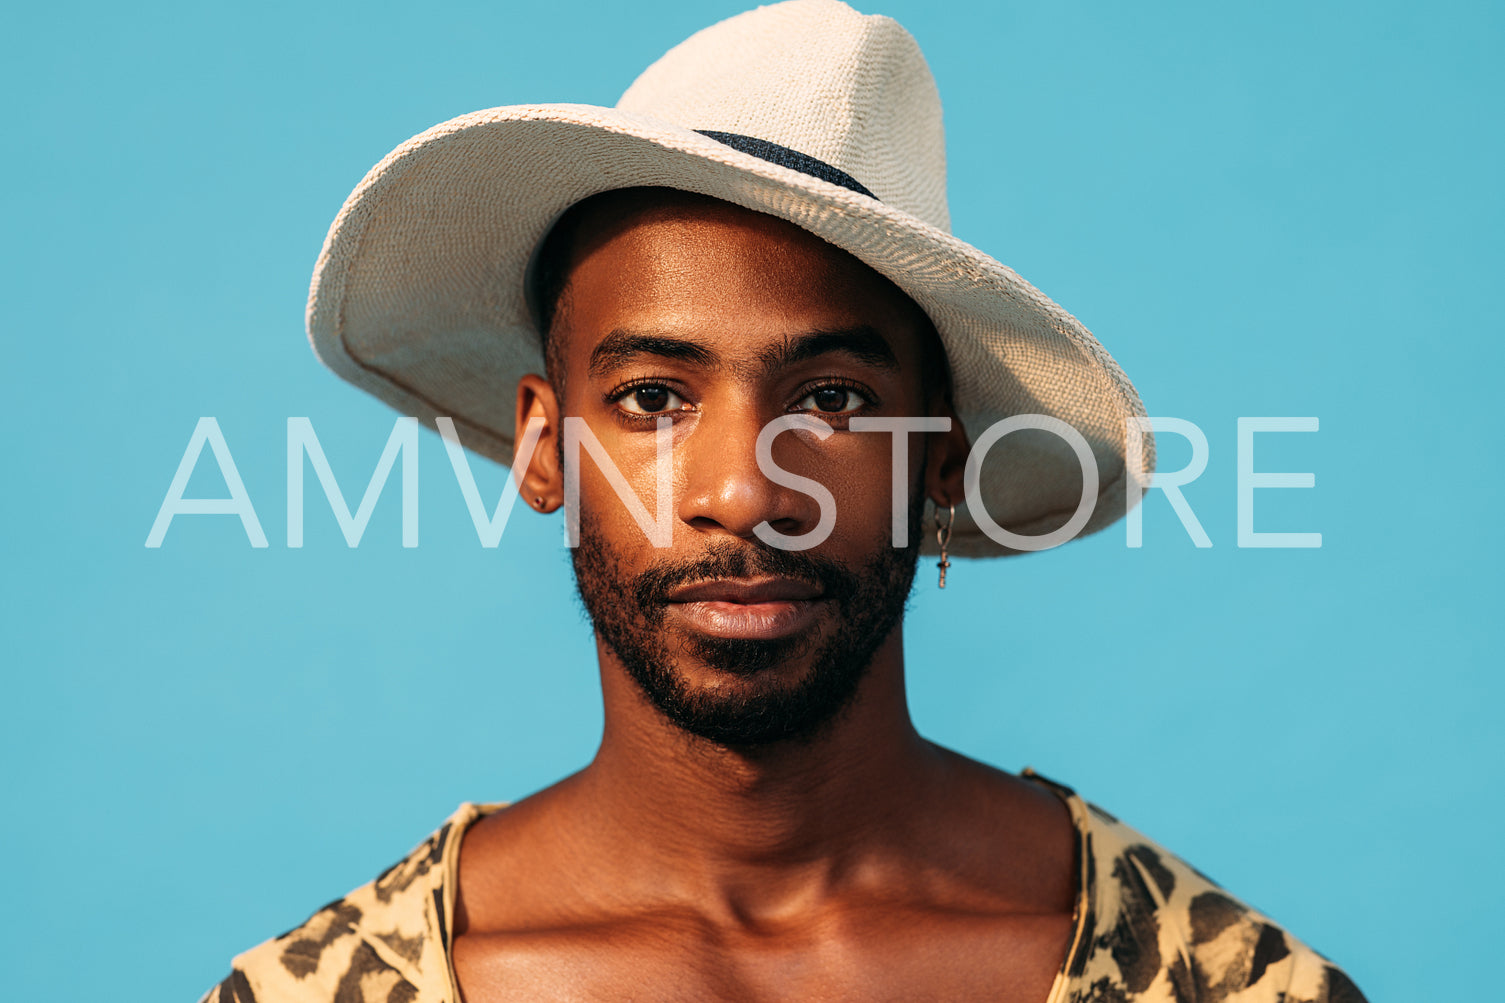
[1149, 929]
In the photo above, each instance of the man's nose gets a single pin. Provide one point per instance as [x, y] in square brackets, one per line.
[726, 492]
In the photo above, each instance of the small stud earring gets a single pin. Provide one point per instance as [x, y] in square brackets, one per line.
[943, 537]
[538, 501]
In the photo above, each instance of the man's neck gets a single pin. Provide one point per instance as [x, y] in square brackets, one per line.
[757, 828]
[862, 863]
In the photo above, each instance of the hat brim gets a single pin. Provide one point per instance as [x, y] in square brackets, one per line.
[418, 295]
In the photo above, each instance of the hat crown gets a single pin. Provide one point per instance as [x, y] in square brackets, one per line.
[819, 78]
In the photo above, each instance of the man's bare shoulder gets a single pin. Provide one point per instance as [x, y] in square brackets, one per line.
[386, 940]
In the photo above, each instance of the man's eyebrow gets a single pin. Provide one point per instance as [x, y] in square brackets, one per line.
[620, 347]
[864, 343]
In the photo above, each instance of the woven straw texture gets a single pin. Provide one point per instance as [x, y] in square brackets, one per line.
[418, 295]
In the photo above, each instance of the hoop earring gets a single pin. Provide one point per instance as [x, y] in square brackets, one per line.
[943, 537]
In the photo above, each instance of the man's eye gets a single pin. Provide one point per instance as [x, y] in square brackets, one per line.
[832, 400]
[651, 399]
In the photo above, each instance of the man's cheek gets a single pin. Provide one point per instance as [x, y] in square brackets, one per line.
[861, 482]
[615, 476]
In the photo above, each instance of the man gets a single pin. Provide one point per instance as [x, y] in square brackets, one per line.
[750, 316]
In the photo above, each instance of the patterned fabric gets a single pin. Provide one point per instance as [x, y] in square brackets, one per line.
[1149, 929]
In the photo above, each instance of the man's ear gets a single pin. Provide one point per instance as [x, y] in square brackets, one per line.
[946, 462]
[542, 484]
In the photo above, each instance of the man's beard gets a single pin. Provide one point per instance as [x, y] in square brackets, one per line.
[628, 615]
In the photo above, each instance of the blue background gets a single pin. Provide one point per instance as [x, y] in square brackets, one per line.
[1288, 209]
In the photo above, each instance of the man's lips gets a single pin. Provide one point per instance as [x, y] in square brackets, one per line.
[746, 609]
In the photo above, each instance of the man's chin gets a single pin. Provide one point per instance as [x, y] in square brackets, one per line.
[742, 692]
[744, 711]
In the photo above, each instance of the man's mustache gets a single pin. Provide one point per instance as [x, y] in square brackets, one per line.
[743, 560]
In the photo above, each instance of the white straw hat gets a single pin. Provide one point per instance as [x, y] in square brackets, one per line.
[805, 110]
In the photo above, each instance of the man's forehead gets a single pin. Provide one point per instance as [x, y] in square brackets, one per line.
[683, 262]
[680, 235]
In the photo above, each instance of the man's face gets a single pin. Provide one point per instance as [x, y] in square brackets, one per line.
[723, 320]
